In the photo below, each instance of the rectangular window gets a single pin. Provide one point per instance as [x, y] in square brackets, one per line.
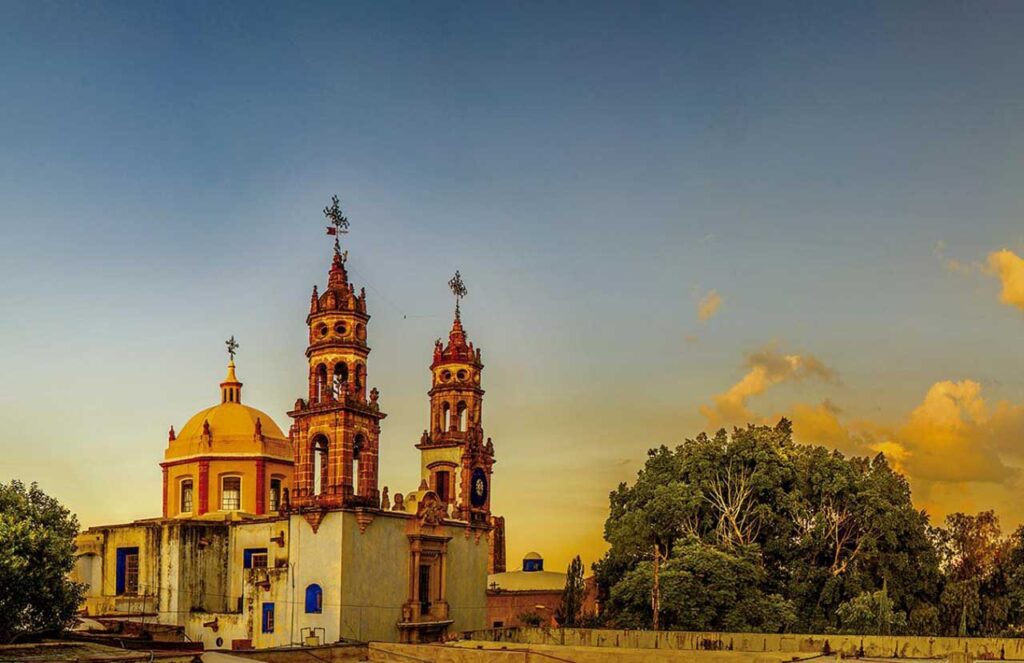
[254, 558]
[442, 485]
[231, 494]
[275, 494]
[186, 496]
[268, 617]
[424, 589]
[127, 579]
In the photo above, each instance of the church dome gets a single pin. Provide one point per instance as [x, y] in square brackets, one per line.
[229, 427]
[229, 420]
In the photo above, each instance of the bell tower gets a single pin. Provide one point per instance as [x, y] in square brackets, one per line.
[336, 428]
[455, 457]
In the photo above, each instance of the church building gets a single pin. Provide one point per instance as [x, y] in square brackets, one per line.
[269, 539]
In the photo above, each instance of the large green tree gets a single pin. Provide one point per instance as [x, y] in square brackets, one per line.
[36, 554]
[800, 528]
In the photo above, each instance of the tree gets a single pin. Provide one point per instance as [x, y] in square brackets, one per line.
[568, 612]
[871, 613]
[36, 554]
[805, 528]
[973, 599]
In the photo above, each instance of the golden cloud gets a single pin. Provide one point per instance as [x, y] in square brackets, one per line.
[1008, 267]
[709, 304]
[765, 367]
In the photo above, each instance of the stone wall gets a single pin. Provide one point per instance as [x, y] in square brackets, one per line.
[871, 646]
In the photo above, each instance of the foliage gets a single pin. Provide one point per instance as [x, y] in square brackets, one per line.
[759, 532]
[871, 613]
[529, 618]
[704, 587]
[568, 612]
[36, 554]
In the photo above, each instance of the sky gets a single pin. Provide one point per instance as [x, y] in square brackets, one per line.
[671, 217]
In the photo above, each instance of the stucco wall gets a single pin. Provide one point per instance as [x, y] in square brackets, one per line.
[374, 577]
[316, 558]
[467, 578]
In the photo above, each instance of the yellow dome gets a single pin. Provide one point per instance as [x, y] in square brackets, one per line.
[229, 420]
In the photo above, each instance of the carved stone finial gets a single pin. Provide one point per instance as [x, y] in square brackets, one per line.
[374, 396]
[206, 426]
[170, 435]
[399, 503]
[423, 485]
[259, 427]
[385, 503]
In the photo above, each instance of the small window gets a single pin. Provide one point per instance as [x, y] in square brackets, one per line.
[186, 496]
[254, 558]
[324, 330]
[461, 375]
[446, 376]
[275, 495]
[314, 599]
[127, 580]
[231, 493]
[339, 329]
[268, 617]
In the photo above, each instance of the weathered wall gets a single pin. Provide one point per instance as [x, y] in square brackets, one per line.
[316, 559]
[467, 578]
[506, 607]
[877, 646]
[374, 577]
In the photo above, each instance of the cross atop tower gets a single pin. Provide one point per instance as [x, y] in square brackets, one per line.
[232, 346]
[339, 226]
[458, 289]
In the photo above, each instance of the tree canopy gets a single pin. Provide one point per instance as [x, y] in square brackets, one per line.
[36, 554]
[757, 532]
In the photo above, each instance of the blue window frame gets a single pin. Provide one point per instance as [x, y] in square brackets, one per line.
[248, 553]
[314, 599]
[127, 579]
[268, 617]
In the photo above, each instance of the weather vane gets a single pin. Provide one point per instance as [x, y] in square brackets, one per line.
[232, 346]
[458, 289]
[338, 227]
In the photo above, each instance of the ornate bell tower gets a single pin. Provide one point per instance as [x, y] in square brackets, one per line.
[456, 459]
[337, 427]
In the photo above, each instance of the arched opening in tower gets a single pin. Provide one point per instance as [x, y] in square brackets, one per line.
[357, 448]
[446, 412]
[321, 382]
[340, 378]
[319, 464]
[463, 416]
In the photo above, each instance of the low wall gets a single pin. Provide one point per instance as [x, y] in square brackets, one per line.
[869, 645]
[490, 652]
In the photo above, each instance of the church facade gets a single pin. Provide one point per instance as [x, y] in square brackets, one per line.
[271, 539]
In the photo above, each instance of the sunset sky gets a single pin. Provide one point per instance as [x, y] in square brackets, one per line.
[671, 217]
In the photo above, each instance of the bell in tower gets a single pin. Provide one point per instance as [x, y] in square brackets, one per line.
[336, 427]
[456, 459]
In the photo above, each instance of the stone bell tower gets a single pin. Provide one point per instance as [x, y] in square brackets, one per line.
[456, 459]
[336, 428]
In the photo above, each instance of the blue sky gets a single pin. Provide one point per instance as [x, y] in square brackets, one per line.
[593, 169]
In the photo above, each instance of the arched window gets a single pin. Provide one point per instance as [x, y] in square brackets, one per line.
[446, 414]
[186, 496]
[319, 464]
[360, 375]
[357, 448]
[314, 599]
[463, 415]
[275, 494]
[321, 382]
[340, 378]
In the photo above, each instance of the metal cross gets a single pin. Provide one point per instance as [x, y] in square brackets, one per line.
[232, 346]
[339, 223]
[458, 289]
